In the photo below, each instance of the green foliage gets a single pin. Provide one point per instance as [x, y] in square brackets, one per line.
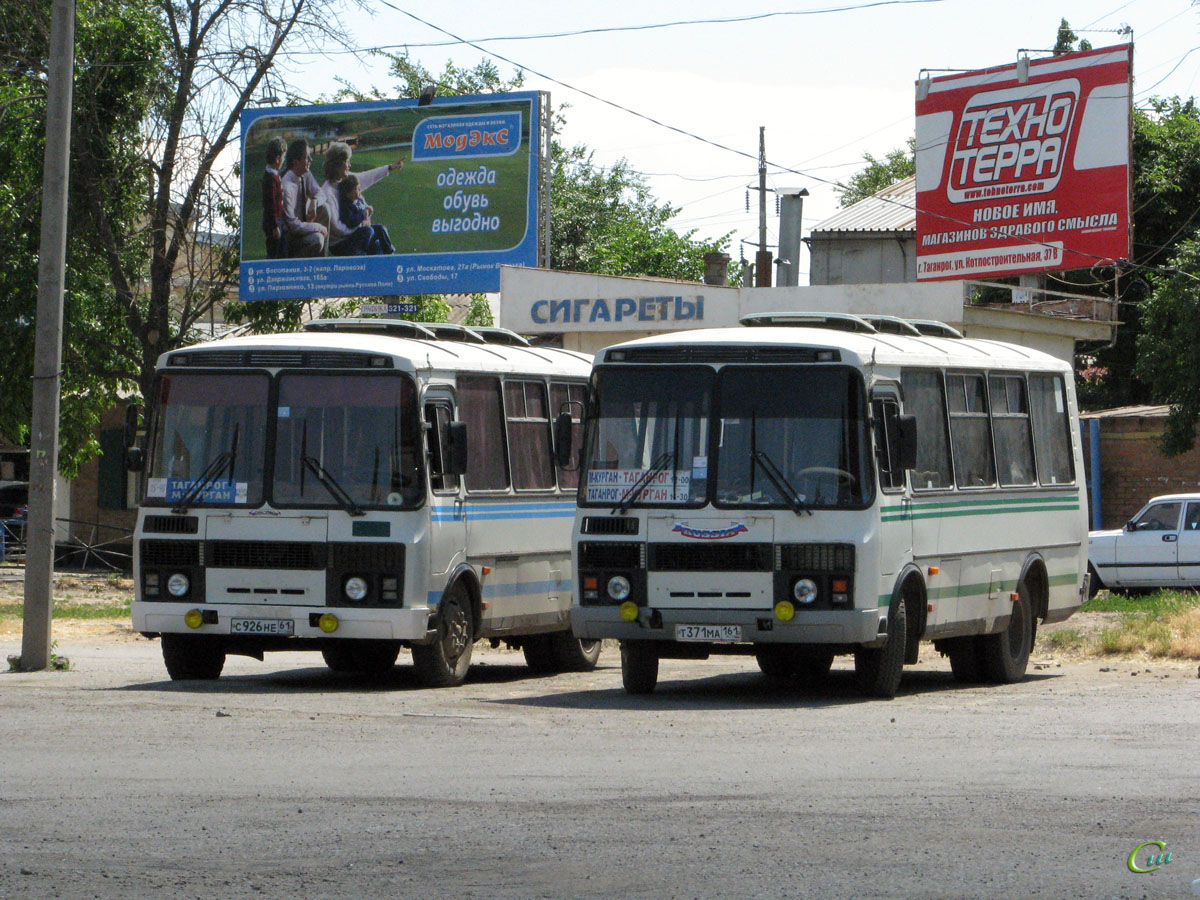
[119, 62]
[1065, 41]
[480, 312]
[879, 173]
[1166, 183]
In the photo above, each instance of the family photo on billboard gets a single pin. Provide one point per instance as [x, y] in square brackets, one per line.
[429, 198]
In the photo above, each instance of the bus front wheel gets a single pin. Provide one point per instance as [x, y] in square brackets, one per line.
[639, 666]
[192, 657]
[446, 661]
[877, 669]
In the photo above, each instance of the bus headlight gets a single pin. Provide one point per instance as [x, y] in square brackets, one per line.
[178, 585]
[618, 587]
[804, 590]
[784, 611]
[355, 588]
[328, 623]
[193, 618]
[628, 611]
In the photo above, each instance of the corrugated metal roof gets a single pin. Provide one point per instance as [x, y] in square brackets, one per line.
[892, 209]
[1128, 412]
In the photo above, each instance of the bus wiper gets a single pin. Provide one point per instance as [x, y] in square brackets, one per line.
[780, 481]
[330, 484]
[635, 489]
[210, 474]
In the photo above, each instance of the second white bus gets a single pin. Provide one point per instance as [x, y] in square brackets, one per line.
[820, 484]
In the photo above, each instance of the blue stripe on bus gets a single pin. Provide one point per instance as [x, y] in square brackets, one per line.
[494, 511]
[512, 590]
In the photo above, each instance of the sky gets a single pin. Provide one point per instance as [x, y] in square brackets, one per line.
[829, 80]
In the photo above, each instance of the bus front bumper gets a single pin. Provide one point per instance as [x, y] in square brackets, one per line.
[283, 621]
[861, 627]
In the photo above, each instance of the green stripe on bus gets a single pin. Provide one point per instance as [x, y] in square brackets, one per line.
[978, 507]
[957, 592]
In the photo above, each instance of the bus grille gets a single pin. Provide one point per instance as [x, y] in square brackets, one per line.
[170, 553]
[710, 558]
[816, 557]
[264, 555]
[381, 557]
[610, 555]
[170, 524]
[609, 525]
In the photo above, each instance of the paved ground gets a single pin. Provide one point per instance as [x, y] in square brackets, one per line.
[283, 780]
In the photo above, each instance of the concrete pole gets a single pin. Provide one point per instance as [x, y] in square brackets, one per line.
[762, 259]
[47, 354]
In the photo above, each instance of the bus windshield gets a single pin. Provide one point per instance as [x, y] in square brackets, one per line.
[209, 439]
[649, 444]
[340, 439]
[346, 434]
[792, 437]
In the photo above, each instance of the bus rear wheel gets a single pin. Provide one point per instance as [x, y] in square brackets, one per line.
[1006, 654]
[192, 657]
[366, 657]
[572, 654]
[966, 659]
[446, 661]
[639, 666]
[877, 669]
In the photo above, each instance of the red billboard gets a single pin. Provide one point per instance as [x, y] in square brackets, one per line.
[1024, 168]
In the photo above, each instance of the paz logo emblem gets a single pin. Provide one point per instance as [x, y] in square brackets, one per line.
[710, 534]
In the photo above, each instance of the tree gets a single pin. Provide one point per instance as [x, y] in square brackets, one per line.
[1065, 41]
[120, 62]
[879, 173]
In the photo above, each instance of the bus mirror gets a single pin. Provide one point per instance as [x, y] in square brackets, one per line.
[133, 416]
[135, 459]
[908, 442]
[562, 440]
[456, 448]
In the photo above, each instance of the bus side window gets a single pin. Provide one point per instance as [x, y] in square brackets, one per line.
[970, 430]
[438, 416]
[528, 431]
[886, 416]
[481, 407]
[924, 399]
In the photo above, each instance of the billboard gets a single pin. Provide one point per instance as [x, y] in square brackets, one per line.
[441, 196]
[1024, 168]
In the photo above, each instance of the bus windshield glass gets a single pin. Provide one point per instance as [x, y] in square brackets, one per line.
[208, 440]
[346, 434]
[649, 446]
[792, 436]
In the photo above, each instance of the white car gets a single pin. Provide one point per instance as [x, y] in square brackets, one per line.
[1159, 547]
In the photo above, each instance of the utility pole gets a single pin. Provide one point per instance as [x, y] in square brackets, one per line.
[762, 259]
[47, 354]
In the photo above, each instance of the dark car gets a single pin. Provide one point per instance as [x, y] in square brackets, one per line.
[14, 499]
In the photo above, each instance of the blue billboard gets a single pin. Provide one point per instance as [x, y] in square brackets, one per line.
[389, 198]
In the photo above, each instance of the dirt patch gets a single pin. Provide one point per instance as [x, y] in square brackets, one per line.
[73, 589]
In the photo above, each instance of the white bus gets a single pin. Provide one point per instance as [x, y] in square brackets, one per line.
[362, 486]
[822, 484]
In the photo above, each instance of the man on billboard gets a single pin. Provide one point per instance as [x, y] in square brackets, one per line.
[305, 215]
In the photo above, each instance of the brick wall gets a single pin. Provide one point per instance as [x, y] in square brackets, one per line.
[1132, 470]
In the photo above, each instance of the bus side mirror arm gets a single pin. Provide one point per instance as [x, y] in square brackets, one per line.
[456, 447]
[562, 440]
[908, 442]
[135, 457]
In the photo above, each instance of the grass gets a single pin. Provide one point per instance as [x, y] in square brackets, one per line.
[109, 609]
[1161, 625]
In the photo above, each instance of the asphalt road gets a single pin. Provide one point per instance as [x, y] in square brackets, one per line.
[283, 780]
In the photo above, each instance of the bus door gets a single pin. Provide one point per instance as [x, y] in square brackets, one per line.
[895, 520]
[447, 520]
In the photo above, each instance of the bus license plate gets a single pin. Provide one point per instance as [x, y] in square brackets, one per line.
[261, 626]
[708, 632]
